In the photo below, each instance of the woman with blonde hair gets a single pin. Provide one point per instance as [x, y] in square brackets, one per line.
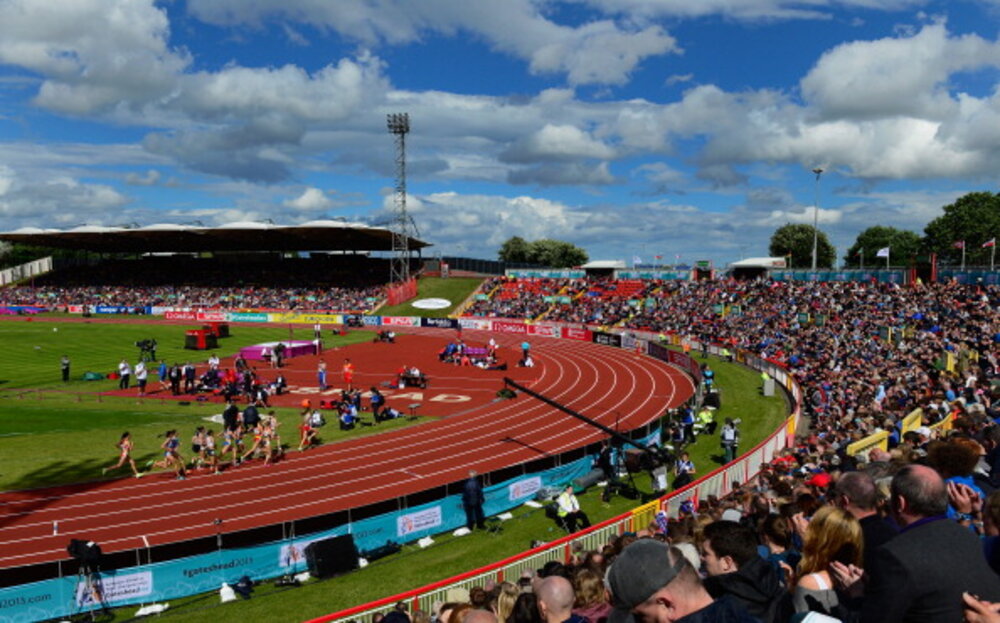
[832, 535]
[591, 596]
[506, 596]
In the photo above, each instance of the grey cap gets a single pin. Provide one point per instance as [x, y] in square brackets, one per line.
[639, 571]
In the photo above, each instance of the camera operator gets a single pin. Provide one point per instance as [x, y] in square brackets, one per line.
[730, 439]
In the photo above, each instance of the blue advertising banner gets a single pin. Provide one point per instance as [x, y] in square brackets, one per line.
[68, 596]
[441, 323]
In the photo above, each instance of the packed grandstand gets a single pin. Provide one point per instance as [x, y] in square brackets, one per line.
[868, 356]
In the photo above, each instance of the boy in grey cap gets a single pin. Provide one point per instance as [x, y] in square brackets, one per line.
[654, 583]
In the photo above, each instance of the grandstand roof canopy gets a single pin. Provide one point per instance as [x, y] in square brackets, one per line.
[760, 262]
[245, 236]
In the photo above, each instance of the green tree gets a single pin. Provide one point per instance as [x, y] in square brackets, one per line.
[545, 252]
[556, 253]
[903, 245]
[514, 250]
[797, 241]
[973, 218]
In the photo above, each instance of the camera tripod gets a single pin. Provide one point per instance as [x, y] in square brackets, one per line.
[89, 594]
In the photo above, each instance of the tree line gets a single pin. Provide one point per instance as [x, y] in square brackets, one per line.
[968, 224]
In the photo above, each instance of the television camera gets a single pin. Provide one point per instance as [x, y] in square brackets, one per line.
[147, 349]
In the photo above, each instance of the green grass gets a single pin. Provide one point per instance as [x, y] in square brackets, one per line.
[53, 432]
[454, 289]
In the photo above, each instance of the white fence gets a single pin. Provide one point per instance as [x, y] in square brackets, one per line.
[718, 483]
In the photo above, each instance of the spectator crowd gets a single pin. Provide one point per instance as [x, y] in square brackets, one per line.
[907, 533]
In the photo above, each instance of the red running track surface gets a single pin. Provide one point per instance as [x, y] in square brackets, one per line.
[612, 386]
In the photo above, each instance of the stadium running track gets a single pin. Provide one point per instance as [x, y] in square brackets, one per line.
[612, 386]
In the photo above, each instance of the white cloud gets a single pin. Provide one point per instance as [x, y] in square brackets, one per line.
[896, 76]
[596, 52]
[563, 174]
[94, 54]
[151, 177]
[479, 223]
[60, 200]
[750, 10]
[311, 200]
[556, 142]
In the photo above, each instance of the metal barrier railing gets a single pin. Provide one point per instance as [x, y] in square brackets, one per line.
[718, 483]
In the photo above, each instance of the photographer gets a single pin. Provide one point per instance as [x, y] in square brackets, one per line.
[730, 438]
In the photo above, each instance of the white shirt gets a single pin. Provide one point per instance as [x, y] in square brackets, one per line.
[124, 368]
[140, 371]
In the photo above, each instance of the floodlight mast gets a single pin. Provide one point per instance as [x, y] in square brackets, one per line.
[399, 269]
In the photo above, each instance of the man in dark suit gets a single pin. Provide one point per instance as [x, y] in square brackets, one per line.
[920, 574]
[472, 502]
[857, 494]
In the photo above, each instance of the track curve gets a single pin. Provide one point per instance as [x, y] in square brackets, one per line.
[611, 386]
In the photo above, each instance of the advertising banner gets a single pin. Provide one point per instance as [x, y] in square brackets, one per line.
[74, 309]
[63, 597]
[576, 333]
[427, 520]
[248, 317]
[401, 321]
[546, 274]
[507, 326]
[212, 316]
[520, 489]
[441, 323]
[543, 330]
[114, 309]
[477, 324]
[371, 321]
[121, 588]
[607, 339]
[307, 318]
[181, 315]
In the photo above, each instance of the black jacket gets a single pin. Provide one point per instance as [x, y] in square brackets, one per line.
[722, 610]
[757, 586]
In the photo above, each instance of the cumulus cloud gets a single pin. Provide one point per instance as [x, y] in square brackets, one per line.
[601, 51]
[750, 10]
[57, 200]
[450, 219]
[311, 200]
[558, 174]
[556, 142]
[896, 76]
[95, 55]
[150, 178]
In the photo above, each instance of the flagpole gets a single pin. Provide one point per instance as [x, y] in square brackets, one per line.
[887, 259]
[963, 256]
[862, 258]
[993, 254]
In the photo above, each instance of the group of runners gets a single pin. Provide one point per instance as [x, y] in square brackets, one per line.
[238, 443]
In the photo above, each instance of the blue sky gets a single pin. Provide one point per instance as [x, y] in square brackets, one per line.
[628, 127]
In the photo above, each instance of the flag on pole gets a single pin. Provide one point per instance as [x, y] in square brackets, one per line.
[992, 242]
[659, 257]
[883, 252]
[636, 259]
[959, 244]
[860, 252]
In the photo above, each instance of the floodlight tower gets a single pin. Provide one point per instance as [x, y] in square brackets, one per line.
[815, 254]
[402, 231]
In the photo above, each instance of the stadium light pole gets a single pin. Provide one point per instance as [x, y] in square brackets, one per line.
[398, 125]
[818, 171]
